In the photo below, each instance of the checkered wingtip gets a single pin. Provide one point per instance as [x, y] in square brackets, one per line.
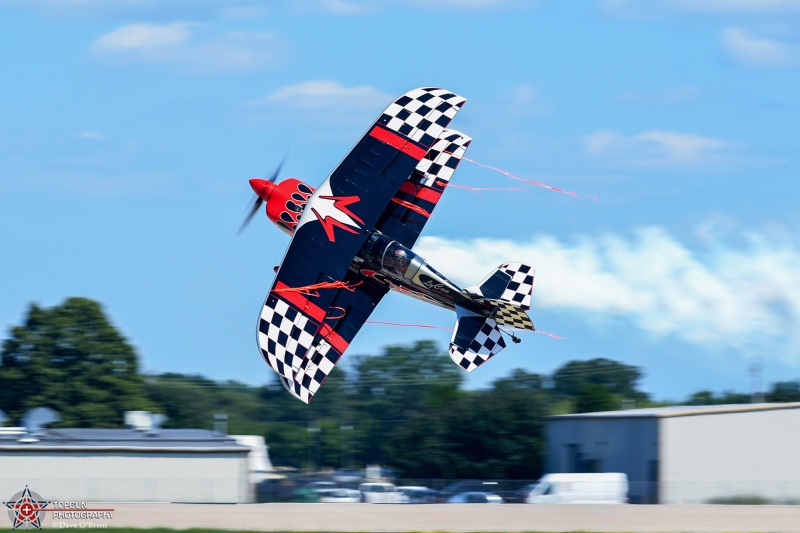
[422, 114]
[443, 157]
[288, 342]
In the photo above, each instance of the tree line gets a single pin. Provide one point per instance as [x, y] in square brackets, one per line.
[405, 407]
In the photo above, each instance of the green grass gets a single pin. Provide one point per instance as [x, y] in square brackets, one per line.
[203, 530]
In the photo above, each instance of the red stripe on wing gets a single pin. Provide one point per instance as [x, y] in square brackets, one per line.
[306, 306]
[336, 341]
[396, 141]
[421, 192]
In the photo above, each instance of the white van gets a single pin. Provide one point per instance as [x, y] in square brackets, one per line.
[580, 488]
[381, 493]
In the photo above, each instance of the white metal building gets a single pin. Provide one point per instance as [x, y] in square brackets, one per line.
[686, 454]
[110, 465]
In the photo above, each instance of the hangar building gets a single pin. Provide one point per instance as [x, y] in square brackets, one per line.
[132, 465]
[686, 454]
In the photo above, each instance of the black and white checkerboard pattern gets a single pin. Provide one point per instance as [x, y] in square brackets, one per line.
[284, 336]
[422, 114]
[443, 157]
[520, 288]
[487, 343]
[512, 316]
[316, 367]
[289, 343]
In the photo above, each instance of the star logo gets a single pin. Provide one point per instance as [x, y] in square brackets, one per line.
[26, 509]
[331, 211]
[334, 211]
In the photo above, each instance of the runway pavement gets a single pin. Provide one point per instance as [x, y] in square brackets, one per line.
[447, 517]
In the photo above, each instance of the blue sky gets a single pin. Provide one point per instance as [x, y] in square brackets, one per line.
[128, 131]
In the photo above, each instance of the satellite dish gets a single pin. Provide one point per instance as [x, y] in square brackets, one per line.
[156, 420]
[35, 420]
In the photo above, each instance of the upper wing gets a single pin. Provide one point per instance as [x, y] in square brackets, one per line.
[295, 328]
[404, 218]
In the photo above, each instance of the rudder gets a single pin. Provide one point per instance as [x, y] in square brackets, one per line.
[510, 282]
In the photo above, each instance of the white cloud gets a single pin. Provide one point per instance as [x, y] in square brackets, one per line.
[91, 135]
[148, 37]
[142, 9]
[210, 9]
[185, 45]
[602, 142]
[325, 94]
[658, 147]
[344, 7]
[741, 6]
[701, 7]
[737, 297]
[671, 97]
[758, 52]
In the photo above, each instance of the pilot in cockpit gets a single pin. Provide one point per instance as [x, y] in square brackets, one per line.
[396, 262]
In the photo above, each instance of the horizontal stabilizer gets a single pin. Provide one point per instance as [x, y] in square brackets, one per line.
[475, 340]
[512, 316]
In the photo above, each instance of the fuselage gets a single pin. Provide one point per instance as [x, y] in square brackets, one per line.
[381, 259]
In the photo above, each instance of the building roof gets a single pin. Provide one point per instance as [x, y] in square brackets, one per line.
[681, 410]
[75, 439]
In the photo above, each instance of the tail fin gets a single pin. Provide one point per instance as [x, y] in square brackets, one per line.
[475, 340]
[510, 282]
[509, 288]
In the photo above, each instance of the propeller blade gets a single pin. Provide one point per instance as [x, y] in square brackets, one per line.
[277, 172]
[258, 201]
[253, 210]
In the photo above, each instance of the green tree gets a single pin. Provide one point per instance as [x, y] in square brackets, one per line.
[784, 391]
[593, 397]
[574, 379]
[706, 397]
[72, 359]
[495, 433]
[396, 385]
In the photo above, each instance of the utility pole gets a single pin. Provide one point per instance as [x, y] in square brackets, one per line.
[756, 384]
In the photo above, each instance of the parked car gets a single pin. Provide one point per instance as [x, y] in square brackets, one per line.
[348, 477]
[418, 494]
[321, 485]
[380, 493]
[580, 488]
[469, 485]
[475, 497]
[519, 495]
[339, 496]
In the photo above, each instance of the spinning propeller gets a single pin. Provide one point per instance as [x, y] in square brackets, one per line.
[262, 188]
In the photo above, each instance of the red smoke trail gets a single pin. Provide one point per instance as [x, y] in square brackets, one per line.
[407, 325]
[538, 184]
[477, 190]
[426, 326]
[311, 290]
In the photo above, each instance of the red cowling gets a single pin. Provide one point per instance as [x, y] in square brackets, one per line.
[285, 200]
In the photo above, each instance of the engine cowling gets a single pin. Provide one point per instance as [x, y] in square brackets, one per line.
[285, 200]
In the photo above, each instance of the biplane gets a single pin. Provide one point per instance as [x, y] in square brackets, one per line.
[351, 244]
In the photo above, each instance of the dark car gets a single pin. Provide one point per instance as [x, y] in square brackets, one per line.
[470, 485]
[519, 495]
[475, 497]
[418, 494]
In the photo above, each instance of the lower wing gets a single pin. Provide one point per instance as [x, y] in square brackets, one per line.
[302, 341]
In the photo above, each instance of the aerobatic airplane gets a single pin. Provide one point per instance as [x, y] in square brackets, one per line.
[351, 244]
